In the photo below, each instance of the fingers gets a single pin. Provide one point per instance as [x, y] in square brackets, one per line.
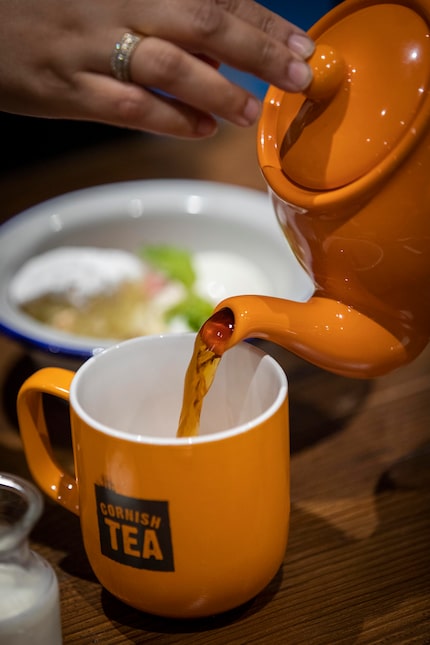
[106, 100]
[240, 33]
[159, 64]
[265, 57]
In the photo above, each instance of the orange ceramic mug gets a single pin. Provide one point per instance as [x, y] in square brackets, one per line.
[176, 527]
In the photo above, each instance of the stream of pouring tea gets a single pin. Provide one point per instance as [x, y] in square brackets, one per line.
[209, 346]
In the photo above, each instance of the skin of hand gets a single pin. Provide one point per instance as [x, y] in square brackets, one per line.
[55, 61]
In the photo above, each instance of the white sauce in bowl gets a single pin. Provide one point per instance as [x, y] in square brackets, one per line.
[75, 273]
[222, 275]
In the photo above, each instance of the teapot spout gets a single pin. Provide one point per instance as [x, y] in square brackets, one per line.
[325, 332]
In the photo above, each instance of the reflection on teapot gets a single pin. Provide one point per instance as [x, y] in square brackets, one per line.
[348, 168]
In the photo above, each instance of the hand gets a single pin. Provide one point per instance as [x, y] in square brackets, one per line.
[55, 61]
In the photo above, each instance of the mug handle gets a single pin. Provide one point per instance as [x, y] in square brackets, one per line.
[57, 484]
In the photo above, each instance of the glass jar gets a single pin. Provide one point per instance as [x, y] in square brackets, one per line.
[29, 595]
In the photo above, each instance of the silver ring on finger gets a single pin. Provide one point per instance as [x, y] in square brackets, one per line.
[121, 56]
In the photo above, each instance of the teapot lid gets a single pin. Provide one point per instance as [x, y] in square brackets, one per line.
[371, 70]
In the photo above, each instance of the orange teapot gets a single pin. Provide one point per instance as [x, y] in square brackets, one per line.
[347, 164]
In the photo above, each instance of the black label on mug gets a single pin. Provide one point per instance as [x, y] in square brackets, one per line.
[135, 532]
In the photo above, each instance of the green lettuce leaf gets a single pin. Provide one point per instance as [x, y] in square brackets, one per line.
[194, 309]
[174, 263]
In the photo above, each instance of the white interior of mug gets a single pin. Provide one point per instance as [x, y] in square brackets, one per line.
[136, 387]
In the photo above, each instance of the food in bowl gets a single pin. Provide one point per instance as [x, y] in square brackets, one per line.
[113, 293]
[234, 228]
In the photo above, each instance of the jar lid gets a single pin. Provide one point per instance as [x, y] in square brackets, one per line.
[371, 72]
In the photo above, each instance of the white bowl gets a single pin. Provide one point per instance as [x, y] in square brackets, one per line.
[198, 215]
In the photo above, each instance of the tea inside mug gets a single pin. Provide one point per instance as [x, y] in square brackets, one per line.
[137, 388]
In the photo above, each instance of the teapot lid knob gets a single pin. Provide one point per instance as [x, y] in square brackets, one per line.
[329, 72]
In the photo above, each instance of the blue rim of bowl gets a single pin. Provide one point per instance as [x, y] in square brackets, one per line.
[52, 348]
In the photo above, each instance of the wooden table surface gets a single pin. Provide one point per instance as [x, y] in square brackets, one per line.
[357, 567]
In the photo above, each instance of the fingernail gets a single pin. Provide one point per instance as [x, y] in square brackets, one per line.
[301, 45]
[300, 74]
[250, 112]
